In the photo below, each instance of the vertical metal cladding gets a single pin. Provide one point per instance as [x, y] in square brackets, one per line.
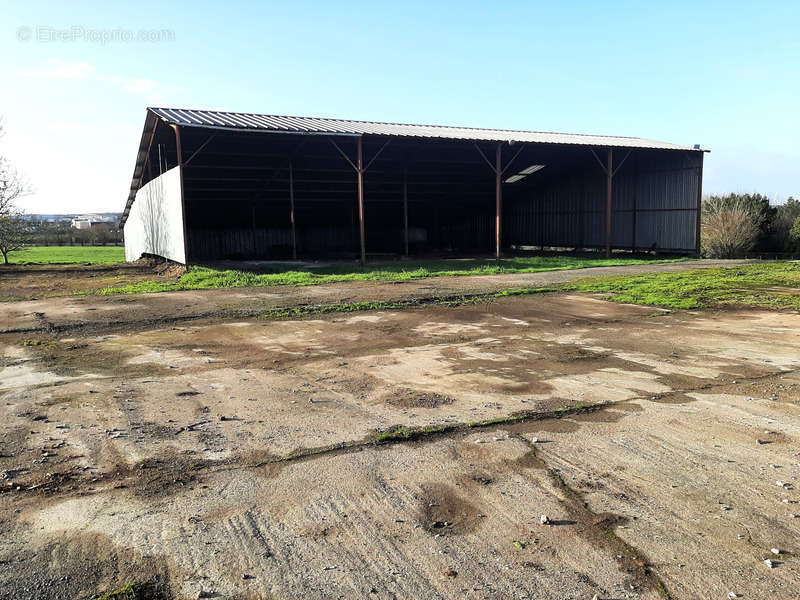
[654, 205]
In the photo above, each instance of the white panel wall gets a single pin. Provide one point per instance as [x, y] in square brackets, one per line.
[155, 223]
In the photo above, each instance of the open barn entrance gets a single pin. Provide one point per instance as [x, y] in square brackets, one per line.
[256, 193]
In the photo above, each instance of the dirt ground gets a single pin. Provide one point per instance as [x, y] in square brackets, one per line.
[245, 458]
[57, 308]
[29, 282]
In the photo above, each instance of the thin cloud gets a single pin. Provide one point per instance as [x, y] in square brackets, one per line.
[58, 69]
[141, 85]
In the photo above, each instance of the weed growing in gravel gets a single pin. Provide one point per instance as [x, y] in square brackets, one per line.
[126, 592]
[407, 433]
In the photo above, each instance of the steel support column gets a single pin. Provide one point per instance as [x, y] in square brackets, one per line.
[183, 200]
[360, 171]
[699, 205]
[609, 177]
[405, 209]
[291, 211]
[498, 198]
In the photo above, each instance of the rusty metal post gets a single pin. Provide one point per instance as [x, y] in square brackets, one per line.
[183, 200]
[635, 199]
[360, 171]
[609, 176]
[291, 211]
[253, 223]
[405, 209]
[498, 198]
[698, 248]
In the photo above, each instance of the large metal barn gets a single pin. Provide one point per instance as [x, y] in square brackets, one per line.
[218, 185]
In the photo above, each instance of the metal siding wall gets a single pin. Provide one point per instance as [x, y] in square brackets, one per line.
[570, 212]
[155, 222]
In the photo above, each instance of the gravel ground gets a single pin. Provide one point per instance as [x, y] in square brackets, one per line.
[240, 458]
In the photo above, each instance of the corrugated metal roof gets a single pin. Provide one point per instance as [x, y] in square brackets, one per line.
[250, 121]
[213, 119]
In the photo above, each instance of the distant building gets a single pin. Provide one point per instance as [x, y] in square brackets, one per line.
[93, 223]
[81, 223]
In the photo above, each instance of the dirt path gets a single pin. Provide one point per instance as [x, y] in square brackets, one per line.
[256, 459]
[126, 312]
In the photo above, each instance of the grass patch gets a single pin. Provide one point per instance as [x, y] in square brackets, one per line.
[773, 285]
[291, 312]
[33, 255]
[198, 278]
[126, 592]
[408, 433]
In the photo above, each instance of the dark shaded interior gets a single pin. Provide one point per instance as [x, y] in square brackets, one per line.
[237, 195]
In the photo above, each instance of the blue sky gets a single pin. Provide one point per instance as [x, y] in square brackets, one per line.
[722, 74]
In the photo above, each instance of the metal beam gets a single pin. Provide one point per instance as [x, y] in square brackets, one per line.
[699, 205]
[360, 171]
[183, 199]
[196, 152]
[342, 152]
[622, 162]
[513, 158]
[498, 197]
[291, 211]
[609, 176]
[377, 154]
[405, 209]
[149, 163]
[599, 162]
[488, 162]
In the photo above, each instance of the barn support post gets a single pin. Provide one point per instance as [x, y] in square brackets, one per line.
[405, 210]
[609, 177]
[183, 199]
[253, 221]
[360, 171]
[635, 199]
[291, 211]
[498, 170]
[498, 198]
[699, 205]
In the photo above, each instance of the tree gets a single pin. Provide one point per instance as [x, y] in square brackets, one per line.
[13, 229]
[786, 216]
[13, 234]
[794, 236]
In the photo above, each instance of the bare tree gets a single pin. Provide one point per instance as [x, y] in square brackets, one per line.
[13, 228]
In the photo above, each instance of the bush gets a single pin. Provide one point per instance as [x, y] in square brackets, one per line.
[728, 230]
[759, 209]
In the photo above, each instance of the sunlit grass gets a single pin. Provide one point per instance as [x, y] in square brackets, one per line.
[67, 254]
[769, 285]
[198, 278]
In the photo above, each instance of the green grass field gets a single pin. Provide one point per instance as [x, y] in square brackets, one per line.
[198, 278]
[775, 285]
[67, 254]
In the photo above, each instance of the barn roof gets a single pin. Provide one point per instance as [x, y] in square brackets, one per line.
[316, 125]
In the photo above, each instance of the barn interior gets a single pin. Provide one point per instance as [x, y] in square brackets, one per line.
[269, 195]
